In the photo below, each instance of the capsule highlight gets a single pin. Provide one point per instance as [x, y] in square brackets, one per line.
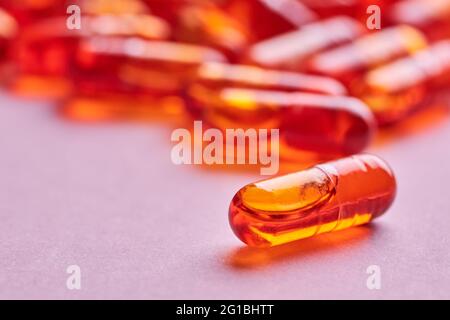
[328, 197]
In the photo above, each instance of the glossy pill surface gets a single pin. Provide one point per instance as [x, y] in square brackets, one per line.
[291, 50]
[348, 62]
[400, 88]
[321, 124]
[325, 198]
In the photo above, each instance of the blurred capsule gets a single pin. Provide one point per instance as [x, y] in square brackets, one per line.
[396, 90]
[211, 78]
[291, 50]
[49, 49]
[233, 25]
[322, 124]
[349, 62]
[433, 17]
[8, 31]
[134, 65]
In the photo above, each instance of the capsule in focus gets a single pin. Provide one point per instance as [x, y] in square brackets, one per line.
[327, 197]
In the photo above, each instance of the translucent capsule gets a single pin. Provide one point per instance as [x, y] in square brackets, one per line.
[327, 197]
[432, 17]
[317, 123]
[396, 90]
[138, 66]
[292, 50]
[47, 52]
[50, 48]
[348, 62]
[211, 77]
[232, 26]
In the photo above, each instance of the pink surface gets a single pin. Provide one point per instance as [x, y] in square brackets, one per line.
[108, 198]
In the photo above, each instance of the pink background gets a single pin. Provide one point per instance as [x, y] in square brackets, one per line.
[108, 198]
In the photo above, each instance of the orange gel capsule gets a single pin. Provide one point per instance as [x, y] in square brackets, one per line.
[291, 50]
[213, 77]
[325, 198]
[325, 125]
[50, 48]
[232, 26]
[348, 62]
[396, 90]
[47, 52]
[133, 65]
[432, 17]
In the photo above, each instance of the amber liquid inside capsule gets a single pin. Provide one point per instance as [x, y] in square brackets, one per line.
[325, 198]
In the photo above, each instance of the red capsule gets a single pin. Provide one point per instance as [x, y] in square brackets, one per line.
[212, 77]
[323, 125]
[133, 65]
[47, 52]
[293, 49]
[230, 25]
[49, 47]
[349, 62]
[325, 198]
[402, 87]
[432, 17]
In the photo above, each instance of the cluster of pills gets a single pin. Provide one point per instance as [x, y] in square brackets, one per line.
[313, 69]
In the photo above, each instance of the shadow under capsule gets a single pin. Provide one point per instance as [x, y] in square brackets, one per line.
[253, 258]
